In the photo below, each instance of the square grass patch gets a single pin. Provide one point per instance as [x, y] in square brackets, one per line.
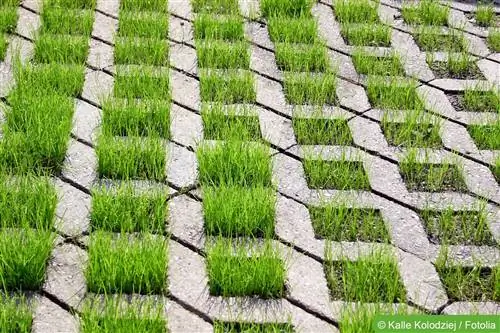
[316, 131]
[356, 11]
[237, 274]
[226, 28]
[459, 68]
[429, 177]
[427, 12]
[302, 58]
[470, 283]
[485, 136]
[126, 210]
[457, 227]
[125, 265]
[286, 8]
[143, 51]
[143, 82]
[412, 134]
[303, 30]
[136, 118]
[343, 224]
[493, 40]
[144, 6]
[15, 314]
[304, 88]
[431, 40]
[477, 101]
[143, 24]
[382, 66]
[60, 21]
[71, 4]
[236, 327]
[371, 279]
[366, 34]
[336, 175]
[23, 258]
[485, 16]
[62, 49]
[393, 94]
[228, 87]
[131, 158]
[223, 55]
[234, 211]
[234, 163]
[227, 124]
[216, 6]
[8, 18]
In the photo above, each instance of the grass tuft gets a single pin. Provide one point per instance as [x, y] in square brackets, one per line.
[485, 15]
[393, 94]
[15, 314]
[382, 66]
[302, 58]
[366, 34]
[144, 51]
[224, 123]
[237, 327]
[486, 136]
[317, 131]
[71, 4]
[8, 17]
[144, 5]
[229, 87]
[339, 174]
[223, 55]
[3, 46]
[143, 82]
[302, 30]
[304, 88]
[143, 25]
[215, 6]
[431, 39]
[286, 8]
[493, 40]
[226, 28]
[427, 12]
[61, 49]
[481, 101]
[62, 21]
[356, 11]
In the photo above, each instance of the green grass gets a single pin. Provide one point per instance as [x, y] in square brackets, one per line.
[371, 279]
[356, 11]
[144, 51]
[493, 40]
[228, 87]
[122, 316]
[3, 46]
[302, 58]
[338, 175]
[458, 227]
[125, 210]
[228, 28]
[238, 327]
[223, 55]
[71, 4]
[366, 34]
[495, 168]
[234, 163]
[372, 65]
[143, 25]
[144, 5]
[431, 39]
[486, 136]
[23, 258]
[15, 314]
[236, 274]
[361, 318]
[136, 118]
[63, 49]
[427, 12]
[215, 6]
[293, 30]
[27, 202]
[317, 131]
[339, 223]
[131, 158]
[485, 15]
[63, 21]
[121, 264]
[8, 18]
[393, 94]
[287, 8]
[481, 101]
[317, 89]
[221, 123]
[234, 211]
[456, 66]
[143, 83]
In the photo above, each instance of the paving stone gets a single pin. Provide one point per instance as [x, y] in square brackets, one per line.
[105, 27]
[80, 165]
[97, 87]
[50, 318]
[72, 209]
[181, 167]
[458, 308]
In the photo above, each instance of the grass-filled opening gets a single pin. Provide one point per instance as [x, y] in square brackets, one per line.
[223, 55]
[237, 327]
[431, 177]
[3, 46]
[234, 163]
[141, 51]
[486, 136]
[426, 12]
[228, 28]
[304, 88]
[356, 11]
[373, 65]
[235, 211]
[131, 158]
[215, 6]
[485, 15]
[302, 57]
[61, 49]
[229, 87]
[143, 24]
[361, 317]
[144, 6]
[23, 258]
[8, 17]
[336, 175]
[480, 101]
[110, 313]
[373, 278]
[225, 123]
[393, 94]
[70, 4]
[495, 168]
[456, 66]
[493, 40]
[125, 264]
[366, 34]
[430, 39]
[142, 82]
[461, 227]
[248, 269]
[302, 30]
[286, 8]
[128, 117]
[62, 21]
[15, 314]
[127, 210]
[321, 131]
[340, 223]
[27, 202]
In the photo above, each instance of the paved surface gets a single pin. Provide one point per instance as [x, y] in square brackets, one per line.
[190, 308]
